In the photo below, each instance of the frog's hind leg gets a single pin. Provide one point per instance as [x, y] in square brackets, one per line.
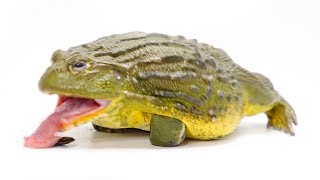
[166, 131]
[263, 98]
[282, 116]
[260, 95]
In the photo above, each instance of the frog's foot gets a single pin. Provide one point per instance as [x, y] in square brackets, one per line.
[111, 130]
[166, 131]
[281, 117]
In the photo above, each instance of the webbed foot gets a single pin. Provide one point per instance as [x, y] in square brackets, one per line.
[282, 117]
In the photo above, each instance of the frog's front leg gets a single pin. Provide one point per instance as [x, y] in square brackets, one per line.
[110, 130]
[166, 131]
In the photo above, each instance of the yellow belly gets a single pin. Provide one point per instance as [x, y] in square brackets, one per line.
[196, 127]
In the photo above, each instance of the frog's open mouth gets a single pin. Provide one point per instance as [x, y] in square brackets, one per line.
[69, 112]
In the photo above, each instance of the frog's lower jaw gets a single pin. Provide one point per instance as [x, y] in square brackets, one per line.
[70, 112]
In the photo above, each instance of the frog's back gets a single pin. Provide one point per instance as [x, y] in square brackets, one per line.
[186, 80]
[182, 79]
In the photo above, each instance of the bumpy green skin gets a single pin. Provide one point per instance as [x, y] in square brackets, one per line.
[148, 74]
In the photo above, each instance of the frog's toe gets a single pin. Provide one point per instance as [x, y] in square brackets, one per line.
[282, 117]
[166, 131]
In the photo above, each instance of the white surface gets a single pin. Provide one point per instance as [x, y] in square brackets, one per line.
[277, 38]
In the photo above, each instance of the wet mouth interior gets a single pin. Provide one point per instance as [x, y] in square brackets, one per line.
[69, 112]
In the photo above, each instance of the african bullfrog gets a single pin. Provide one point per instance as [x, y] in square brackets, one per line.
[171, 86]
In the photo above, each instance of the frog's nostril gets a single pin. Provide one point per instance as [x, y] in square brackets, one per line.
[57, 55]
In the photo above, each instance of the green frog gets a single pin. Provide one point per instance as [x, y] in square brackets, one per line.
[174, 87]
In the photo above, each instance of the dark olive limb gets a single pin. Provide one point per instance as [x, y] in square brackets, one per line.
[166, 131]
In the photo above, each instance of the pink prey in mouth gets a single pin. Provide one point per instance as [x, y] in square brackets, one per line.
[69, 112]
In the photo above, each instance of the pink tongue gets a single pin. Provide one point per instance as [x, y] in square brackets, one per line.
[45, 135]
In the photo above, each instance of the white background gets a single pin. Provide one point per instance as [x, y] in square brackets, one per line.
[277, 38]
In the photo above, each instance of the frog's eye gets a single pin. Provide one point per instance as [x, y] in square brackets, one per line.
[78, 66]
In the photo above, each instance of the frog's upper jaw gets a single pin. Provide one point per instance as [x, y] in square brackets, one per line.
[98, 85]
[75, 73]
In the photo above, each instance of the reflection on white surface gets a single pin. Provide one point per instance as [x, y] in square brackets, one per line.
[101, 155]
